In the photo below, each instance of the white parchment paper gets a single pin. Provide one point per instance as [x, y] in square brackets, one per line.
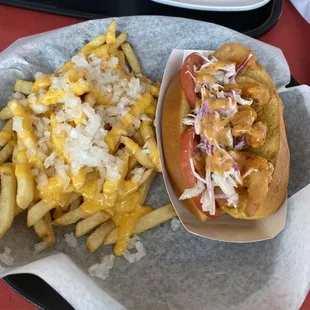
[180, 271]
[303, 7]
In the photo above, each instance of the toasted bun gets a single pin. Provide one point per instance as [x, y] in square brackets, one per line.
[174, 109]
[275, 149]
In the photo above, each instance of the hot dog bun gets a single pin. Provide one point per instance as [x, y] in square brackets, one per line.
[275, 148]
[174, 109]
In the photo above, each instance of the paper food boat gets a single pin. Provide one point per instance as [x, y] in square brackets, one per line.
[225, 228]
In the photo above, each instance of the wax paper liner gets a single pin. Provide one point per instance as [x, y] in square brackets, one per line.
[180, 271]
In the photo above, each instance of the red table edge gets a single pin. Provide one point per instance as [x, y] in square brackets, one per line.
[50, 21]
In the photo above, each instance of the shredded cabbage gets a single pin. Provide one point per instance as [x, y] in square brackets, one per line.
[220, 196]
[189, 119]
[205, 146]
[204, 109]
[210, 189]
[230, 139]
[241, 66]
[230, 70]
[233, 200]
[221, 94]
[202, 147]
[244, 63]
[207, 202]
[226, 186]
[193, 192]
[239, 99]
[239, 143]
[208, 61]
[235, 174]
[188, 72]
[221, 77]
[195, 174]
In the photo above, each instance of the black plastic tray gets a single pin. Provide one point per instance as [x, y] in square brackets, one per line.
[253, 23]
[37, 291]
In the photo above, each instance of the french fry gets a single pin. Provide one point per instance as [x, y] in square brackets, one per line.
[154, 91]
[14, 154]
[95, 240]
[48, 218]
[111, 184]
[131, 58]
[58, 212]
[121, 59]
[124, 229]
[132, 163]
[7, 197]
[52, 96]
[146, 131]
[144, 188]
[144, 79]
[76, 74]
[81, 87]
[14, 136]
[90, 196]
[138, 109]
[37, 212]
[67, 65]
[41, 228]
[36, 195]
[146, 222]
[148, 135]
[142, 158]
[86, 225]
[43, 82]
[75, 204]
[101, 51]
[113, 137]
[91, 45]
[151, 145]
[53, 192]
[112, 51]
[66, 199]
[150, 111]
[130, 186]
[44, 230]
[25, 186]
[71, 217]
[6, 132]
[7, 151]
[17, 210]
[25, 182]
[111, 32]
[120, 39]
[27, 136]
[129, 203]
[136, 137]
[64, 68]
[5, 113]
[22, 86]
